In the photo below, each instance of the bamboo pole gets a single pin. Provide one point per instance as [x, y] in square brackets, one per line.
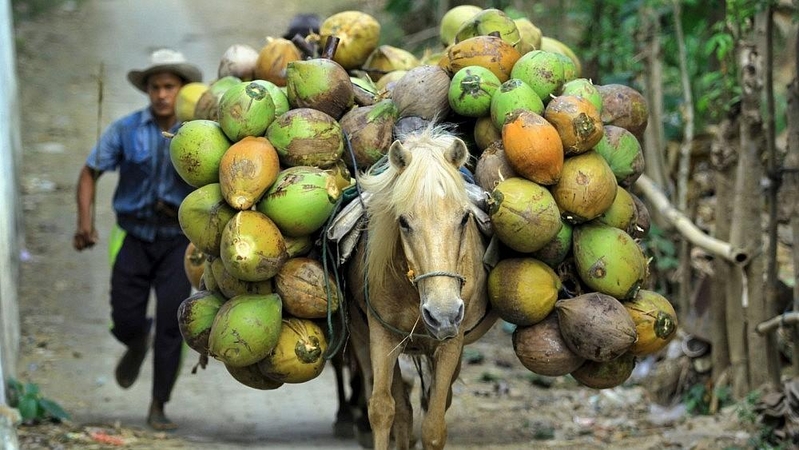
[687, 228]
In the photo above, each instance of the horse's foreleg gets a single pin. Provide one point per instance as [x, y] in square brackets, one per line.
[403, 416]
[446, 362]
[383, 353]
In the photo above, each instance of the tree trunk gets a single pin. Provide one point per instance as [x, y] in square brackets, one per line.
[684, 172]
[791, 190]
[764, 28]
[654, 138]
[746, 224]
[728, 344]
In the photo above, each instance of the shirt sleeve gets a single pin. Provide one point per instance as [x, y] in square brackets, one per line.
[107, 153]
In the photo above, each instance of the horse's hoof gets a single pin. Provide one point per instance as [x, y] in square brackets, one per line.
[344, 429]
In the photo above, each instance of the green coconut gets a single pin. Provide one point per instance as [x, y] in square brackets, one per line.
[524, 214]
[622, 214]
[251, 376]
[207, 281]
[542, 71]
[246, 109]
[622, 151]
[556, 250]
[196, 150]
[246, 329]
[252, 247]
[301, 200]
[203, 215]
[570, 71]
[279, 96]
[195, 316]
[513, 95]
[530, 35]
[307, 137]
[608, 260]
[585, 88]
[586, 188]
[321, 84]
[299, 245]
[208, 105]
[471, 89]
[523, 291]
[454, 19]
[230, 286]
[370, 130]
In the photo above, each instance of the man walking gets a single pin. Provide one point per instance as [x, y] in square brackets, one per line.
[150, 243]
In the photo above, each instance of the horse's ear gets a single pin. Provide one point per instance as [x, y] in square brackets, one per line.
[399, 156]
[457, 153]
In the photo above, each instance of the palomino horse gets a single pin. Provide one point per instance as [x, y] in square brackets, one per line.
[418, 281]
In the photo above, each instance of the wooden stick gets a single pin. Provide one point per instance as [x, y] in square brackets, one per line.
[789, 318]
[687, 228]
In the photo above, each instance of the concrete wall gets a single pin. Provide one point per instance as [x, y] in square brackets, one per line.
[11, 230]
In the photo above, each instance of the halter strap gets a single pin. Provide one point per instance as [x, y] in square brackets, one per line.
[440, 273]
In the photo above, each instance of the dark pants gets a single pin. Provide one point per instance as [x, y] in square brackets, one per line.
[139, 267]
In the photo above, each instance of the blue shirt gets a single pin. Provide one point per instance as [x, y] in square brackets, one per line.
[147, 180]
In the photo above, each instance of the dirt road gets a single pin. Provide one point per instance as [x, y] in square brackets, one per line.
[68, 351]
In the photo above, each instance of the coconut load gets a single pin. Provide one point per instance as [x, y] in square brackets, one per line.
[554, 156]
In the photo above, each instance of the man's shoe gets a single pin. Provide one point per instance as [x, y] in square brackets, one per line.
[157, 419]
[129, 365]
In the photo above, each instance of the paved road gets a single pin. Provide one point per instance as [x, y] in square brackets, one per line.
[71, 355]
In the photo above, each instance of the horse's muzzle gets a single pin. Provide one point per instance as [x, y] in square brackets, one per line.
[443, 323]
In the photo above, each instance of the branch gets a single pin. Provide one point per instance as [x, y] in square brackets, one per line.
[788, 318]
[687, 228]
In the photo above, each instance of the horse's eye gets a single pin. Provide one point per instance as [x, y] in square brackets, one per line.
[464, 220]
[403, 222]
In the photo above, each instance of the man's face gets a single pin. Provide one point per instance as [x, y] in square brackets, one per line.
[163, 91]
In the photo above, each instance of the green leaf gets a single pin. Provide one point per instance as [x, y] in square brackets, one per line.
[31, 389]
[28, 408]
[53, 409]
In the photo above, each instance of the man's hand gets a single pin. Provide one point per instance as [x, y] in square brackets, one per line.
[84, 239]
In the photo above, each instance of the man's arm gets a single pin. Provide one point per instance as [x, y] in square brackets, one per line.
[86, 235]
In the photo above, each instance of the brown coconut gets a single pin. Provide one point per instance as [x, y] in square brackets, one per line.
[427, 82]
[542, 350]
[596, 326]
[492, 166]
[303, 285]
[624, 107]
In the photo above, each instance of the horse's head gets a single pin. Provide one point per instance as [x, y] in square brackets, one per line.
[427, 210]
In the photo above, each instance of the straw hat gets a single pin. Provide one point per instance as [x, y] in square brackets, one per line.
[165, 60]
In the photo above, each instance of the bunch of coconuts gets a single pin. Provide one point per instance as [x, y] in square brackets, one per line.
[273, 141]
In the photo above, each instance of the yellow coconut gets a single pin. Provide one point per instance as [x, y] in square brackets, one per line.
[187, 99]
[298, 355]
